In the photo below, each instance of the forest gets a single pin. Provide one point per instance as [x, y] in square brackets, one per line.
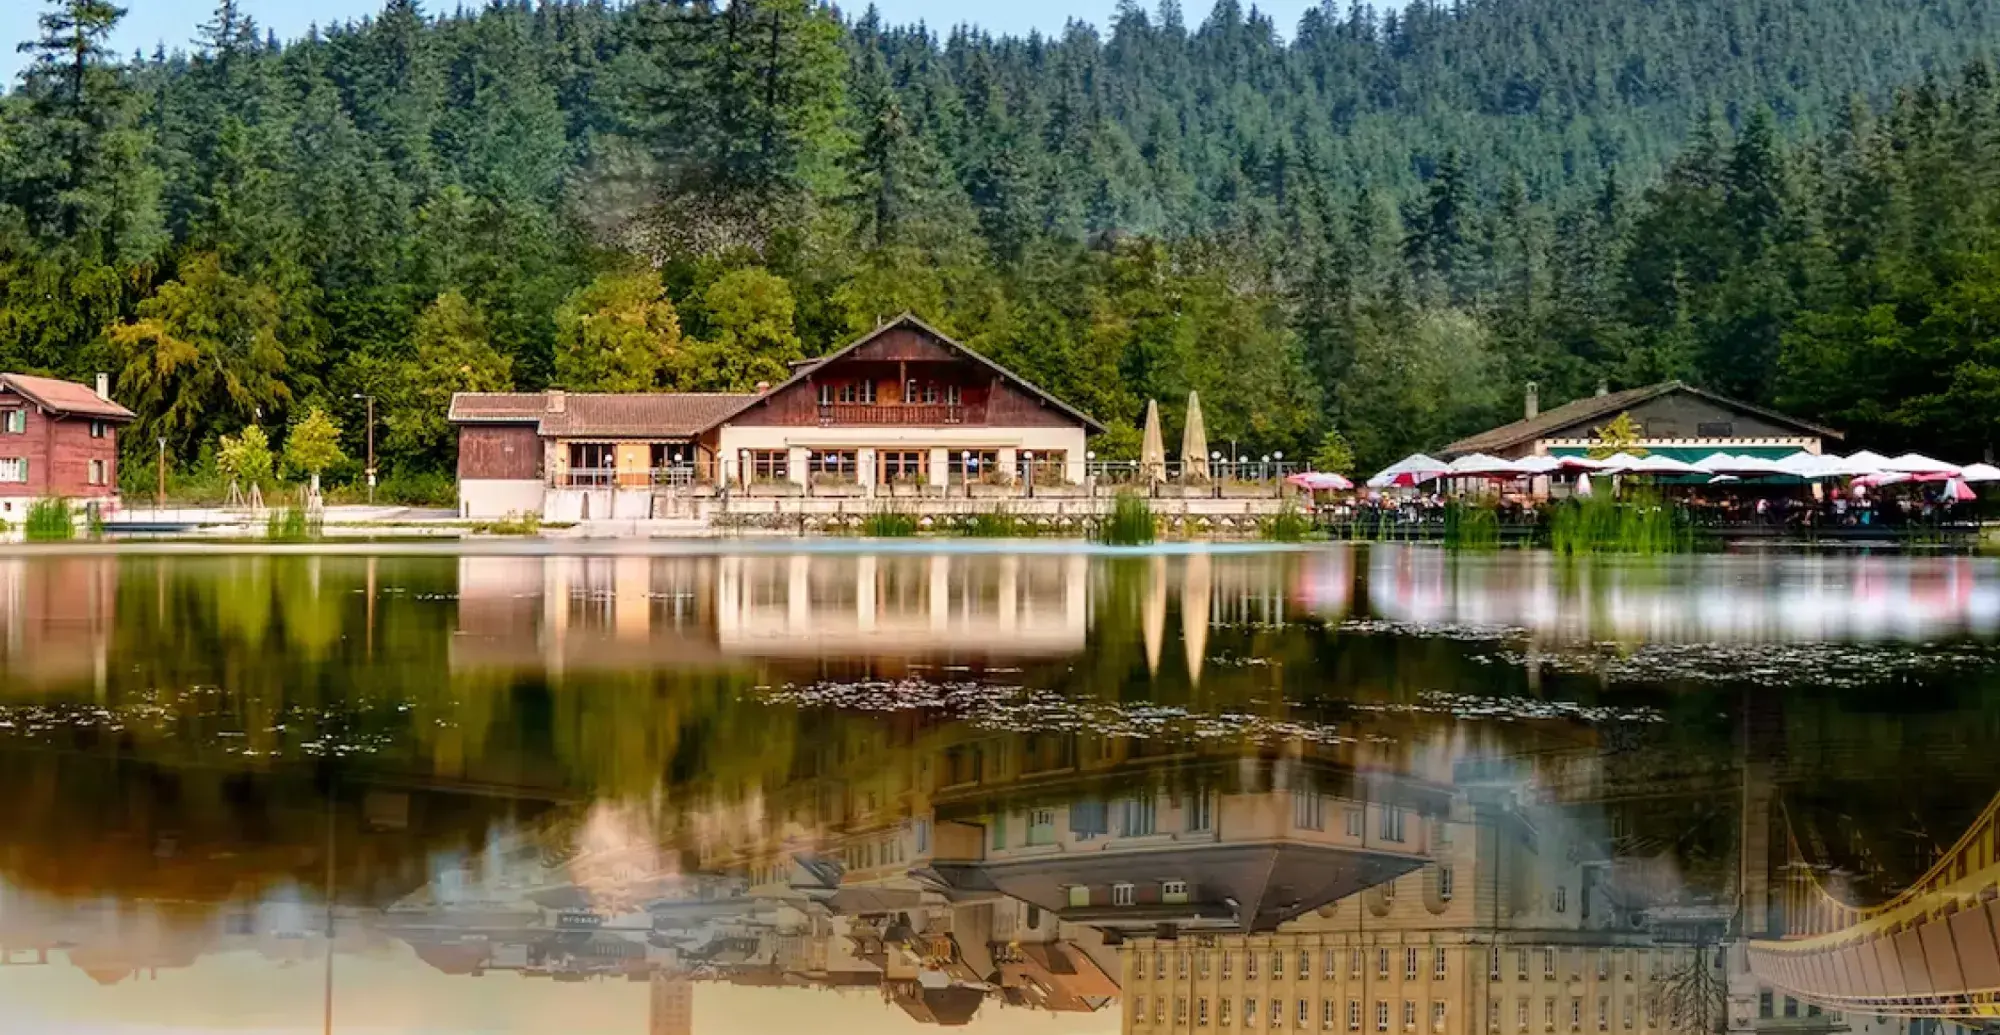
[1357, 236]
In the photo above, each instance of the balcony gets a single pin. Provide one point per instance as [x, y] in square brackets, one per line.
[901, 414]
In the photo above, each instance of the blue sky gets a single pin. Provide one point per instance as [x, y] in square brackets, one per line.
[151, 22]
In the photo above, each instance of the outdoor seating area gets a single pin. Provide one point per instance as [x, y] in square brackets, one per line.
[1802, 493]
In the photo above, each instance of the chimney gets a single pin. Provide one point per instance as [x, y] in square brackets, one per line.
[558, 400]
[1534, 406]
[104, 387]
[763, 386]
[1603, 388]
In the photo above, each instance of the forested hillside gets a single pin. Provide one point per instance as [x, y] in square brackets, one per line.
[1382, 228]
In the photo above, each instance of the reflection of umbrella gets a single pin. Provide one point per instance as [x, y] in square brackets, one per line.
[1194, 614]
[1152, 451]
[1317, 480]
[1973, 474]
[1155, 623]
[1583, 484]
[1194, 443]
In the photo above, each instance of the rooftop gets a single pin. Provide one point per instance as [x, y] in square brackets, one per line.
[1604, 407]
[559, 414]
[65, 397]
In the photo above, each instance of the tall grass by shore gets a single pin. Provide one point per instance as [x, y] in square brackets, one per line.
[50, 520]
[1288, 525]
[1471, 526]
[1641, 523]
[889, 523]
[1130, 523]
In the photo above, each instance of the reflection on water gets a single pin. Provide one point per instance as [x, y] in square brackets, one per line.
[1380, 789]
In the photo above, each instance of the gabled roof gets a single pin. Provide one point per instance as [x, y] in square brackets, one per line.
[628, 415]
[65, 397]
[805, 369]
[1604, 407]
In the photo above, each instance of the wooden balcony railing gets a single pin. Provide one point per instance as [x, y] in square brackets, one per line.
[909, 414]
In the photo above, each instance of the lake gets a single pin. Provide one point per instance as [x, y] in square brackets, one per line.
[884, 787]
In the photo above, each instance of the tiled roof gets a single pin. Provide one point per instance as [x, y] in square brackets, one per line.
[1604, 407]
[573, 415]
[65, 397]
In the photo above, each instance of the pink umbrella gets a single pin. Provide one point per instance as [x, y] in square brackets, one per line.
[1958, 490]
[1318, 480]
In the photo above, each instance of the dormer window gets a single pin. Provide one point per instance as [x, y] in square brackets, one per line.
[97, 429]
[1174, 892]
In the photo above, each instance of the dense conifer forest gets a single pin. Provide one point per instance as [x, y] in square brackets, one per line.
[1356, 236]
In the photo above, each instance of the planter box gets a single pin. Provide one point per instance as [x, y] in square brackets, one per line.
[768, 490]
[995, 492]
[844, 491]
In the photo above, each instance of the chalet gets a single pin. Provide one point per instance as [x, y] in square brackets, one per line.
[904, 410]
[1675, 419]
[57, 438]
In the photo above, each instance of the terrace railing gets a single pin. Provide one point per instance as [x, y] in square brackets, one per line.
[904, 414]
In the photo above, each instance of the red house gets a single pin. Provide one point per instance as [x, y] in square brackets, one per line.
[57, 438]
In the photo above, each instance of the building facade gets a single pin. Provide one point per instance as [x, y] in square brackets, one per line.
[1675, 419]
[57, 439]
[903, 411]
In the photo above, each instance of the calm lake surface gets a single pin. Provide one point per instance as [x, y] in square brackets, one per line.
[1061, 790]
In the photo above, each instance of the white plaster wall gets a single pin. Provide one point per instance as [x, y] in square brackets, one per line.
[866, 439]
[605, 505]
[499, 497]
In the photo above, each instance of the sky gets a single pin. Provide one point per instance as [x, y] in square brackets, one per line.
[172, 22]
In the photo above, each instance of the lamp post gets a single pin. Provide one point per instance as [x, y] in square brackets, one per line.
[371, 445]
[160, 490]
[965, 470]
[1028, 469]
[1090, 471]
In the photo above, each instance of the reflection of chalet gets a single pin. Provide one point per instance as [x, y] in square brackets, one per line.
[56, 616]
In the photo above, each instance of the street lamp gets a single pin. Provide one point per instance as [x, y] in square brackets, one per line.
[1028, 468]
[160, 491]
[371, 445]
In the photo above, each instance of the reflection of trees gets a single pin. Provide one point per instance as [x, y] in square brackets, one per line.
[1692, 996]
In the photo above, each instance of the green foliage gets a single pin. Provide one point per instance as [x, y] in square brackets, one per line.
[1621, 434]
[1333, 454]
[1288, 525]
[998, 523]
[889, 523]
[313, 444]
[621, 334]
[246, 457]
[1471, 525]
[290, 525]
[1130, 523]
[50, 520]
[453, 353]
[1640, 523]
[528, 524]
[750, 313]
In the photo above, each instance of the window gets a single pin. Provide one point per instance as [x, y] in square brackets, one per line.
[1305, 965]
[999, 831]
[1201, 964]
[1392, 824]
[1225, 966]
[925, 393]
[1549, 1014]
[1174, 892]
[826, 395]
[1139, 1008]
[1493, 964]
[1357, 823]
[1562, 898]
[1201, 1011]
[1180, 1009]
[1493, 1015]
[1197, 812]
[1308, 810]
[862, 392]
[1140, 817]
[1326, 1015]
[14, 470]
[1381, 963]
[1603, 1013]
[1715, 429]
[1410, 964]
[592, 456]
[770, 465]
[1549, 964]
[1139, 968]
[1576, 1015]
[1304, 1014]
[1764, 1001]
[1437, 964]
[1222, 1011]
[923, 836]
[1631, 961]
[1603, 964]
[832, 464]
[902, 465]
[1409, 1015]
[1277, 1013]
[1160, 1010]
[1327, 959]
[1277, 966]
[1250, 1006]
[1521, 964]
[1381, 1015]
[1180, 964]
[1079, 895]
[1121, 895]
[1521, 1013]
[14, 422]
[1437, 1015]
[1250, 964]
[978, 463]
[1354, 963]
[1627, 1014]
[1444, 883]
[1791, 1007]
[1354, 1015]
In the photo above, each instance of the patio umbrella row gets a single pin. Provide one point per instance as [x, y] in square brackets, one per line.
[1868, 468]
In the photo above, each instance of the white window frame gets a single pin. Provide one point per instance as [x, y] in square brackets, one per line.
[1123, 894]
[14, 470]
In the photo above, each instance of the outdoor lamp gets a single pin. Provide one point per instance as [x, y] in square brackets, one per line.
[1267, 458]
[1278, 456]
[1216, 456]
[1090, 455]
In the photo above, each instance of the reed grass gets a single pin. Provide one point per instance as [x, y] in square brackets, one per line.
[1131, 522]
[1641, 523]
[290, 525]
[1471, 526]
[50, 520]
[1288, 525]
[889, 523]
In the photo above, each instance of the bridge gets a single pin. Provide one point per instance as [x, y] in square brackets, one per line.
[1931, 951]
